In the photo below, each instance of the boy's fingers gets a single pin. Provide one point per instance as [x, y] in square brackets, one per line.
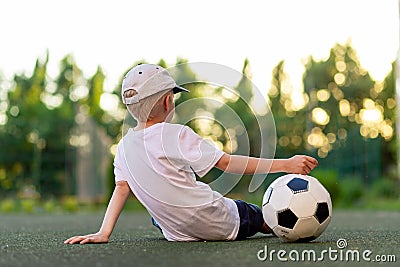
[74, 240]
[311, 162]
[85, 241]
[306, 170]
[310, 165]
[314, 161]
[69, 240]
[93, 239]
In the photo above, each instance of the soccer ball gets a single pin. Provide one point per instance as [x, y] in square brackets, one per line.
[297, 207]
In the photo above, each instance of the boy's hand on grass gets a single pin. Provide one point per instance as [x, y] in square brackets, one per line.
[85, 239]
[301, 164]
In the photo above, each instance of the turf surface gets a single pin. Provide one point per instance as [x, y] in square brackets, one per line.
[37, 240]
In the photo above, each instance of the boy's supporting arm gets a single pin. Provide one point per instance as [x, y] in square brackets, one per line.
[299, 164]
[117, 202]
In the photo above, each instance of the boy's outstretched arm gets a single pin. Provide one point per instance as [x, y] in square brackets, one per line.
[299, 164]
[117, 202]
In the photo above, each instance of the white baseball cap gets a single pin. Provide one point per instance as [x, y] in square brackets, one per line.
[146, 80]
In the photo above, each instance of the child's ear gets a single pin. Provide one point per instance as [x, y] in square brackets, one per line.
[167, 101]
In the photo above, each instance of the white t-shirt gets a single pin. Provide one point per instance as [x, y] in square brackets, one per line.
[159, 163]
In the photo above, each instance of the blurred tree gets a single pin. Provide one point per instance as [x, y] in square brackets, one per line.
[112, 124]
[245, 128]
[386, 97]
[337, 88]
[190, 106]
[40, 116]
[290, 120]
[27, 135]
[22, 158]
[70, 85]
[345, 112]
[244, 137]
[96, 89]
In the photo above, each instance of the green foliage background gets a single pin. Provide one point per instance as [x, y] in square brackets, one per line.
[40, 116]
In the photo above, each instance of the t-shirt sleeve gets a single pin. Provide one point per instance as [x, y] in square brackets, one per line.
[197, 152]
[120, 172]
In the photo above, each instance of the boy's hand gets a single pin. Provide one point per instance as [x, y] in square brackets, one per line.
[301, 164]
[117, 201]
[85, 239]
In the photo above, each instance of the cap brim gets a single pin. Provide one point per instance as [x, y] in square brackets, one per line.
[178, 89]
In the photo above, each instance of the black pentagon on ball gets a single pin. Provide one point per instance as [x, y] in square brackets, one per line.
[268, 195]
[322, 212]
[287, 218]
[298, 185]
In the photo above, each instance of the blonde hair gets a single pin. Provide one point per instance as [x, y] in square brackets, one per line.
[148, 107]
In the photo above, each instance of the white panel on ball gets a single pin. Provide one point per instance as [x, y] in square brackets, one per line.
[303, 205]
[306, 227]
[271, 221]
[281, 198]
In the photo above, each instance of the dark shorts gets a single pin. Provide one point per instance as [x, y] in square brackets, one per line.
[251, 219]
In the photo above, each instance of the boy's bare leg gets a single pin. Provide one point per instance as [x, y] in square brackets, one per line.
[265, 229]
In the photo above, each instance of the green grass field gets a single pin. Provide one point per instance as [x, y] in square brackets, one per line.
[37, 240]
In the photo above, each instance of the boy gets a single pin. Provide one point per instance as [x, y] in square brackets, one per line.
[158, 160]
